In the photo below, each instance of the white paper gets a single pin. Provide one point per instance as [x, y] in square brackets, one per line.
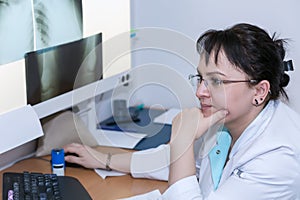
[118, 138]
[104, 173]
[167, 117]
[153, 195]
[19, 127]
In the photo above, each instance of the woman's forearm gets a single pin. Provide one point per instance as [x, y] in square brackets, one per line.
[182, 166]
[120, 162]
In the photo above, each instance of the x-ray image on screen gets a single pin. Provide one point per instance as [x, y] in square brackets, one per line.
[27, 25]
[55, 70]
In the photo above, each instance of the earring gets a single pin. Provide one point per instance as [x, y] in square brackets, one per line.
[256, 102]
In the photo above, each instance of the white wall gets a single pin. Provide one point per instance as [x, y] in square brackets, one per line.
[193, 17]
[12, 86]
[112, 18]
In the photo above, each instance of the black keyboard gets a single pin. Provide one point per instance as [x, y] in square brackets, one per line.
[30, 185]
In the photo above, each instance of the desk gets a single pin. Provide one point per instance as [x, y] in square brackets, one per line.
[98, 188]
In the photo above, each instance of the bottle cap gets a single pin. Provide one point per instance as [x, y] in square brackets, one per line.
[58, 156]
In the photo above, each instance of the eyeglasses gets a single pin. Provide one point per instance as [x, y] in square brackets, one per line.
[197, 79]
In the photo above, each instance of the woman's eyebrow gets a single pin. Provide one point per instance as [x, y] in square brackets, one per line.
[212, 73]
[215, 73]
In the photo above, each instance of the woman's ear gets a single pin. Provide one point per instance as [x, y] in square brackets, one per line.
[261, 92]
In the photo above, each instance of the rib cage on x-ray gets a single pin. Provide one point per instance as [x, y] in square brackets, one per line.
[4, 2]
[57, 22]
[41, 24]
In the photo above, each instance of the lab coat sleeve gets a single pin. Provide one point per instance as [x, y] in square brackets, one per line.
[234, 189]
[151, 163]
[185, 189]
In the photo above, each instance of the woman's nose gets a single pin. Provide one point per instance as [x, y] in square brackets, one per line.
[202, 90]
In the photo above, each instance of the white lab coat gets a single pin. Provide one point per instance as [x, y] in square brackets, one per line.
[263, 164]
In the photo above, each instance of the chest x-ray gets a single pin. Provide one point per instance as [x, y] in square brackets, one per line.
[16, 29]
[27, 25]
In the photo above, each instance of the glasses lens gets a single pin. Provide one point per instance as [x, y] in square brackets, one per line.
[194, 79]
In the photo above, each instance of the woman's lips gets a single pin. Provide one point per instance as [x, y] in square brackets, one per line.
[205, 107]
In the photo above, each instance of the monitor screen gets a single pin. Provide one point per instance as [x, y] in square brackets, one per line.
[59, 69]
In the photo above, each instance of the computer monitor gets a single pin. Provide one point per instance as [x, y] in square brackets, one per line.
[54, 73]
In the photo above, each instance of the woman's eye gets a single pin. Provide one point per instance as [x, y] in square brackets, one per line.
[216, 81]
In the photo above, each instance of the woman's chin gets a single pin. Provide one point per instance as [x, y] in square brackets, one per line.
[206, 112]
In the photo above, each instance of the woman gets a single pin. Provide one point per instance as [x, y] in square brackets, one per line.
[240, 80]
